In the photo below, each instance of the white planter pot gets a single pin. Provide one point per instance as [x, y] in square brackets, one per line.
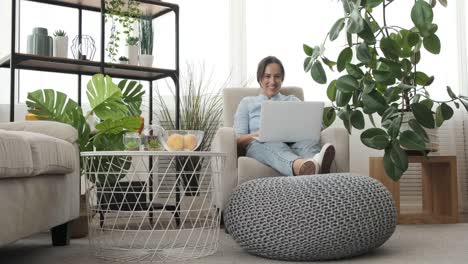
[146, 60]
[433, 134]
[61, 47]
[132, 55]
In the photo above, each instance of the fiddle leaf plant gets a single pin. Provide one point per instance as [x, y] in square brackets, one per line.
[115, 105]
[379, 75]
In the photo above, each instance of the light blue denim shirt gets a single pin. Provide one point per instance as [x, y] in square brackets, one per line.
[247, 117]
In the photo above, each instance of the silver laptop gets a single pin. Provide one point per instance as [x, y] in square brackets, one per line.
[290, 121]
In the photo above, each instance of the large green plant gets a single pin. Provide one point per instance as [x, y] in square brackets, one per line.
[380, 76]
[201, 105]
[117, 106]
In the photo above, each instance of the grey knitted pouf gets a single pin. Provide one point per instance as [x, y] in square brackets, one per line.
[317, 217]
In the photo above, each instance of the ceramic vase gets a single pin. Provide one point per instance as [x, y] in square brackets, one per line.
[146, 60]
[61, 47]
[132, 54]
[40, 43]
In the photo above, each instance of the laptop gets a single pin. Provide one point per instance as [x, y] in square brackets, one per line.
[290, 121]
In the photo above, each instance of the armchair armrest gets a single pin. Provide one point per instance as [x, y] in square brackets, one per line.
[50, 128]
[225, 141]
[340, 139]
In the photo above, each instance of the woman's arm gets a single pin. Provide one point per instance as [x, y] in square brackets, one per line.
[244, 140]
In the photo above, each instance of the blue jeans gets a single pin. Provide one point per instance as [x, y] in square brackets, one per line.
[280, 156]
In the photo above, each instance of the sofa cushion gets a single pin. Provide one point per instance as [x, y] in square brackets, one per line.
[15, 155]
[50, 155]
[24, 154]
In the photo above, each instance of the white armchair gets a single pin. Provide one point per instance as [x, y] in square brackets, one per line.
[238, 168]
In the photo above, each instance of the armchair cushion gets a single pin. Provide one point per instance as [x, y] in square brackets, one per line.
[15, 155]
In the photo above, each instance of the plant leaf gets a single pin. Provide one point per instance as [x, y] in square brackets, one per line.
[336, 29]
[410, 140]
[390, 48]
[399, 156]
[375, 138]
[432, 44]
[423, 115]
[344, 57]
[329, 116]
[357, 119]
[421, 14]
[392, 171]
[374, 102]
[105, 98]
[132, 95]
[347, 84]
[318, 73]
[343, 98]
[373, 3]
[354, 70]
[355, 21]
[418, 129]
[363, 53]
[331, 91]
[116, 126]
[307, 49]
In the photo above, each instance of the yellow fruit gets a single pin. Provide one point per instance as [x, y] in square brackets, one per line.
[190, 142]
[175, 142]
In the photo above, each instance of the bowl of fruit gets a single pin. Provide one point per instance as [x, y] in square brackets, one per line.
[181, 140]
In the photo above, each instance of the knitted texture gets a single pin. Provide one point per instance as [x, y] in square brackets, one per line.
[319, 217]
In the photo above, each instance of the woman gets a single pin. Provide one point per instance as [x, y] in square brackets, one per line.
[295, 158]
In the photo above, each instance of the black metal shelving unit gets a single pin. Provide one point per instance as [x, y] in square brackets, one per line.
[153, 8]
[22, 61]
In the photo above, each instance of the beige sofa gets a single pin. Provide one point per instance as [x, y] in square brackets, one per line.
[238, 168]
[39, 180]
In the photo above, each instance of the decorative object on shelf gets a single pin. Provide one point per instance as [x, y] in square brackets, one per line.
[84, 50]
[132, 50]
[123, 60]
[40, 43]
[132, 141]
[60, 44]
[180, 140]
[121, 14]
[381, 77]
[200, 109]
[146, 57]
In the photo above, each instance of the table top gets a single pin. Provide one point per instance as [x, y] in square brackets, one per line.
[153, 153]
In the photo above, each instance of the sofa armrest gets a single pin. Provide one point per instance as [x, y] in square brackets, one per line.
[339, 138]
[50, 128]
[225, 141]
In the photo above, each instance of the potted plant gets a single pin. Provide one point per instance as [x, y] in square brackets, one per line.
[123, 60]
[379, 75]
[146, 42]
[132, 50]
[121, 14]
[116, 106]
[200, 109]
[60, 44]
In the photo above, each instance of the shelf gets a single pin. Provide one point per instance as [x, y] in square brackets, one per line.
[72, 66]
[149, 7]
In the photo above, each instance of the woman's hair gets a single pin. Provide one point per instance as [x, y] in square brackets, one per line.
[264, 63]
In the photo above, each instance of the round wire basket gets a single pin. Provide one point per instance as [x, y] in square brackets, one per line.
[152, 206]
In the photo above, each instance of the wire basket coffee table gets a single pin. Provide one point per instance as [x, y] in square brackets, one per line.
[152, 206]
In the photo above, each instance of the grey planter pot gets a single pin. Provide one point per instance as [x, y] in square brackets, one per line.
[40, 43]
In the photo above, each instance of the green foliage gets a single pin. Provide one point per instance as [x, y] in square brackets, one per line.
[60, 33]
[201, 105]
[125, 14]
[146, 36]
[378, 76]
[114, 106]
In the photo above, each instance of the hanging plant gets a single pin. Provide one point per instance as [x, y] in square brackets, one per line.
[125, 14]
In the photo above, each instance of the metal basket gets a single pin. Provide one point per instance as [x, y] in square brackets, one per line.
[152, 206]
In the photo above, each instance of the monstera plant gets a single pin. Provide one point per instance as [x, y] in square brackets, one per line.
[116, 106]
[379, 74]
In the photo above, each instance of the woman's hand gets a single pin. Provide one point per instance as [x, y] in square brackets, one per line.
[244, 140]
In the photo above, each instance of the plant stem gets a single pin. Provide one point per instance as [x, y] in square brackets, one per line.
[385, 18]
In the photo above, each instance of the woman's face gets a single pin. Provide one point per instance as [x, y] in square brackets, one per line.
[271, 80]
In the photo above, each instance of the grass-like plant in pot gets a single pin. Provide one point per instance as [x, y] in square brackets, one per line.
[379, 75]
[117, 106]
[201, 107]
[146, 57]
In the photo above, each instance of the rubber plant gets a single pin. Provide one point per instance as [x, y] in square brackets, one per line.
[117, 106]
[379, 75]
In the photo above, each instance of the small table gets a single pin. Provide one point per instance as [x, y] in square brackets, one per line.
[439, 189]
[162, 218]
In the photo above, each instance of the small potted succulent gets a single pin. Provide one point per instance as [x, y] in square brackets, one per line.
[60, 44]
[123, 60]
[132, 50]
